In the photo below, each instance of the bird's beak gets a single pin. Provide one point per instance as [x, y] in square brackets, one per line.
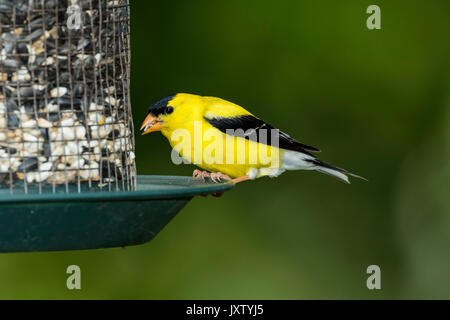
[150, 124]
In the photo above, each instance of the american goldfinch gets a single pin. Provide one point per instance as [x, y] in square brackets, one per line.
[230, 142]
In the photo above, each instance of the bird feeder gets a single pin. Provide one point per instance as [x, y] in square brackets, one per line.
[67, 161]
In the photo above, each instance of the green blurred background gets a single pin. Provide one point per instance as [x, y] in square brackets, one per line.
[377, 102]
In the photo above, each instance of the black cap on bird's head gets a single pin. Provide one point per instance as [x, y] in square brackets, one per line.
[153, 121]
[161, 106]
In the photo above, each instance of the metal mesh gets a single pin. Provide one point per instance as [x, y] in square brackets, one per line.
[65, 115]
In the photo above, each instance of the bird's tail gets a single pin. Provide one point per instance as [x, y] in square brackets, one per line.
[333, 171]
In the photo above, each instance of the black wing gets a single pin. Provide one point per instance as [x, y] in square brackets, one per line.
[252, 128]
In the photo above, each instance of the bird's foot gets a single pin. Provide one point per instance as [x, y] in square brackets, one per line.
[216, 177]
[200, 175]
[219, 176]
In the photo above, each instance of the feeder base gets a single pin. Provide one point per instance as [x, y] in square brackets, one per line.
[97, 219]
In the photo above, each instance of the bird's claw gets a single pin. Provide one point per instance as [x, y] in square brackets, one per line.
[216, 177]
[200, 175]
[219, 176]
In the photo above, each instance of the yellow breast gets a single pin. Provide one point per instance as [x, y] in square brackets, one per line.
[207, 147]
[198, 142]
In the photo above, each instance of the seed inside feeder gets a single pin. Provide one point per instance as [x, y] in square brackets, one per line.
[64, 95]
[58, 92]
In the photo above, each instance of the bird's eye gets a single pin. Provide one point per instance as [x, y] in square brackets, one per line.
[169, 110]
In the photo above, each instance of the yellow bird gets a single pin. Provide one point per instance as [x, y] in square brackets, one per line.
[230, 142]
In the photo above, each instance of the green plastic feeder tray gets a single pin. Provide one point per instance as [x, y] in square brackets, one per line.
[93, 218]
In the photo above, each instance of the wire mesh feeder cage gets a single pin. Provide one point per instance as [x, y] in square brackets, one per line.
[66, 132]
[65, 115]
